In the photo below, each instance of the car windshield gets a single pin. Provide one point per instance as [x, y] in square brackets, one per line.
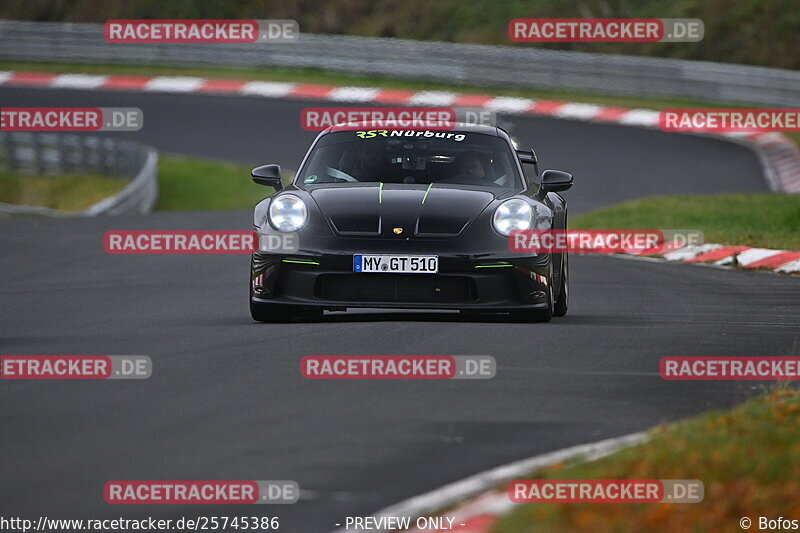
[395, 156]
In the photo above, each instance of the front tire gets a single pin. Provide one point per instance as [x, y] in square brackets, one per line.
[560, 308]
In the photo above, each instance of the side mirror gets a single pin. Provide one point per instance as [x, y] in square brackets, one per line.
[269, 175]
[529, 158]
[555, 181]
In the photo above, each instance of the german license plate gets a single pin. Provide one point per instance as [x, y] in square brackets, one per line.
[396, 264]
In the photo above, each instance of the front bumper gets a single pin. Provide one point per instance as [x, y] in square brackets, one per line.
[327, 281]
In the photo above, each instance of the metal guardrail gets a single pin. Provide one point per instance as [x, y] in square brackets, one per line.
[477, 65]
[55, 154]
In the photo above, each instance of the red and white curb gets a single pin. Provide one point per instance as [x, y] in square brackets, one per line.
[781, 261]
[474, 502]
[779, 156]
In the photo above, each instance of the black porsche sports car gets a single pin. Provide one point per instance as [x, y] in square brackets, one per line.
[408, 219]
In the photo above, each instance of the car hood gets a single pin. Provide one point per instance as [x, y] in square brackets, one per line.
[400, 211]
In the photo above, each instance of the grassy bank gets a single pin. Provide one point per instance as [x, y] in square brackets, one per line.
[184, 183]
[748, 458]
[71, 192]
[764, 220]
[187, 183]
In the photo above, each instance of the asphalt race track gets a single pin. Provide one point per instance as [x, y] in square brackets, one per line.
[226, 400]
[611, 163]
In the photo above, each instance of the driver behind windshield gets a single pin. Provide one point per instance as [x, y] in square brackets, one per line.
[368, 164]
[471, 163]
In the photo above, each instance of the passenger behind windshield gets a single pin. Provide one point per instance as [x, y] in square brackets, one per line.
[411, 157]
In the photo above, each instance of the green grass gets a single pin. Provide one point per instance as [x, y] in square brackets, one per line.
[321, 77]
[748, 458]
[70, 192]
[184, 183]
[764, 220]
[187, 183]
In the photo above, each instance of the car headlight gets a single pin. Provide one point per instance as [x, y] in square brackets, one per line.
[514, 214]
[288, 213]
